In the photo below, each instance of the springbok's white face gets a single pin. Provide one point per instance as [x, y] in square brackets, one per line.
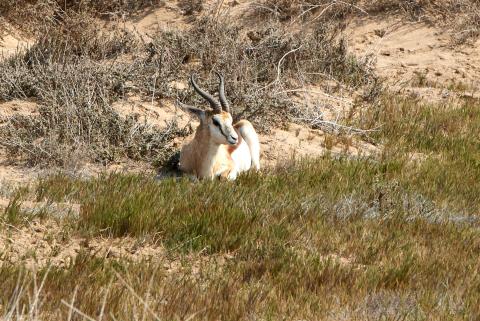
[218, 121]
[221, 129]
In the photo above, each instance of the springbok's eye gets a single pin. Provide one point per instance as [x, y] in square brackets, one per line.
[215, 122]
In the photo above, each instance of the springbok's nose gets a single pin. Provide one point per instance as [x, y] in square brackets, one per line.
[232, 139]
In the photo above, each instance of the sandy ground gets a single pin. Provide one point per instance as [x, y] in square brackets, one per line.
[47, 243]
[12, 40]
[12, 43]
[418, 59]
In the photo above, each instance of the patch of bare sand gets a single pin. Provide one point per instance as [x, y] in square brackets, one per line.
[299, 141]
[13, 176]
[170, 15]
[417, 58]
[39, 244]
[167, 16]
[11, 40]
[10, 45]
[17, 107]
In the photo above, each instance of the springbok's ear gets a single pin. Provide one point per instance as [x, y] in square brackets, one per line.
[192, 110]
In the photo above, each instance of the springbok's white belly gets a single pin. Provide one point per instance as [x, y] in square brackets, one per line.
[242, 158]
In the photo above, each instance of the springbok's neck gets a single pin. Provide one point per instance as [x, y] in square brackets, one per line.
[213, 148]
[207, 149]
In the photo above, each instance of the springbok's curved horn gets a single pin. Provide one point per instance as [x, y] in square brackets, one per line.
[213, 103]
[221, 93]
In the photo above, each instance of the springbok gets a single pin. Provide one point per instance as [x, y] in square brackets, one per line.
[219, 148]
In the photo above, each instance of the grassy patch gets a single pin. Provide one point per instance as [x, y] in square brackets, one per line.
[446, 138]
[320, 239]
[391, 238]
[14, 213]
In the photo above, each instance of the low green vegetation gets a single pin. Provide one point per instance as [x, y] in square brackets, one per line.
[445, 142]
[393, 237]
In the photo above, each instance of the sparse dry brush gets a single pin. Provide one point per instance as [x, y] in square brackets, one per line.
[76, 71]
[271, 62]
[304, 10]
[76, 121]
[461, 17]
[261, 67]
[263, 64]
[30, 14]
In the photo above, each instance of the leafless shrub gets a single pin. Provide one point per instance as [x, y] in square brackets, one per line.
[467, 25]
[413, 9]
[303, 10]
[109, 7]
[74, 93]
[280, 9]
[67, 74]
[76, 118]
[29, 14]
[260, 66]
[78, 35]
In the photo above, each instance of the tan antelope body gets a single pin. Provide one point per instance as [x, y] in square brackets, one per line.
[219, 147]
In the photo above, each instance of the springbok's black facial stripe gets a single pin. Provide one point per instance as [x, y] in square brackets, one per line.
[217, 123]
